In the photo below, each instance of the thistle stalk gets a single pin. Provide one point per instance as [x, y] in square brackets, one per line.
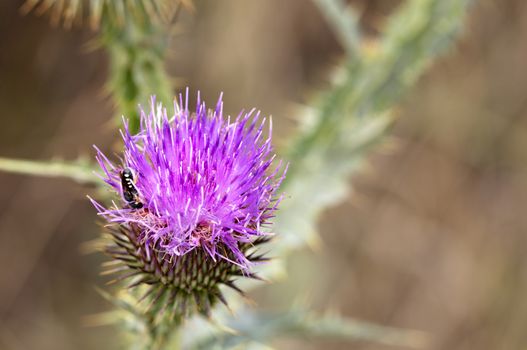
[137, 47]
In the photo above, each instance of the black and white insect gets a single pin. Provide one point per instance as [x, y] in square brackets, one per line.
[130, 193]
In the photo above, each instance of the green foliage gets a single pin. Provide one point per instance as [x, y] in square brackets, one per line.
[152, 329]
[344, 22]
[137, 50]
[254, 327]
[356, 112]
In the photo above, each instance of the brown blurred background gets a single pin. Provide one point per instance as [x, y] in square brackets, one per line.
[434, 237]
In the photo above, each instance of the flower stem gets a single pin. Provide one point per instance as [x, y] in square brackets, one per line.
[137, 48]
[79, 171]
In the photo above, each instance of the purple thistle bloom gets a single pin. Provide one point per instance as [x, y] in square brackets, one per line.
[200, 186]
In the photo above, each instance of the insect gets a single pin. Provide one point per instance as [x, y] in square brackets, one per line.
[130, 193]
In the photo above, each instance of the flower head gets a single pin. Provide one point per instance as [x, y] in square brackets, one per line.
[196, 191]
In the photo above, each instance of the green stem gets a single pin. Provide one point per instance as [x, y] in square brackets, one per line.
[344, 22]
[79, 171]
[299, 322]
[161, 332]
[137, 49]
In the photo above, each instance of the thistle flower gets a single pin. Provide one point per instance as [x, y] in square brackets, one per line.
[196, 192]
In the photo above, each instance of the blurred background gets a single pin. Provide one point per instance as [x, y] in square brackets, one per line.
[433, 237]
